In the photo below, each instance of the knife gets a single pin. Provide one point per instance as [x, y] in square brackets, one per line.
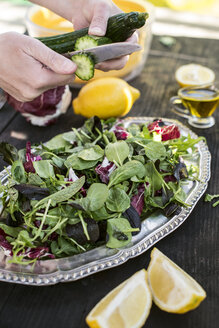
[108, 51]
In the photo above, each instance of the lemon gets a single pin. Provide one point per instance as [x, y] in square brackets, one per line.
[105, 97]
[126, 306]
[173, 290]
[194, 75]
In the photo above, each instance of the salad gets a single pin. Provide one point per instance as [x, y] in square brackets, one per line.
[91, 186]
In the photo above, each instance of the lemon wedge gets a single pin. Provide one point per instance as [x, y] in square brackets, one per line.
[173, 290]
[194, 75]
[126, 306]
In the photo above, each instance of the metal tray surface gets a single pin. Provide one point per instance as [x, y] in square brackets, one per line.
[154, 228]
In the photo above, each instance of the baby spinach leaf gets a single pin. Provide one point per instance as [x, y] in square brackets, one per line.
[64, 194]
[126, 171]
[70, 137]
[97, 193]
[119, 233]
[11, 231]
[96, 196]
[117, 151]
[79, 164]
[91, 154]
[57, 142]
[100, 214]
[118, 200]
[9, 152]
[155, 150]
[18, 172]
[44, 169]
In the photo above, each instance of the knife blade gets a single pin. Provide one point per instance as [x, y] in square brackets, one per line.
[108, 51]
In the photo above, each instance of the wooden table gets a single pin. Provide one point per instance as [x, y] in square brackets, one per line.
[194, 245]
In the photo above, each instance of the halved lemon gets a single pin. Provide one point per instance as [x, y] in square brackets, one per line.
[194, 75]
[173, 290]
[126, 306]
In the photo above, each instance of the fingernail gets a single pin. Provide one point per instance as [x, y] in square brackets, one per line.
[96, 31]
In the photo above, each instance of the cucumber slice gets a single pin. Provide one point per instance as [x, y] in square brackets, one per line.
[85, 66]
[90, 41]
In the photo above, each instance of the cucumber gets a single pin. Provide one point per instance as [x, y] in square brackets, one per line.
[119, 28]
[90, 41]
[85, 65]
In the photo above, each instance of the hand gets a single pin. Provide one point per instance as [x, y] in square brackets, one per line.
[95, 14]
[28, 67]
[92, 13]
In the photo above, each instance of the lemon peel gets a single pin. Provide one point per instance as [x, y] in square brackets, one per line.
[105, 97]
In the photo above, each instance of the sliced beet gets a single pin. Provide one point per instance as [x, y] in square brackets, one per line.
[134, 219]
[76, 231]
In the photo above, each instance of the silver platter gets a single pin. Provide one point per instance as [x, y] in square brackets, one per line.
[154, 228]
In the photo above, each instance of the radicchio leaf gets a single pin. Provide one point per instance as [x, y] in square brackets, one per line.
[137, 201]
[105, 169]
[167, 131]
[120, 132]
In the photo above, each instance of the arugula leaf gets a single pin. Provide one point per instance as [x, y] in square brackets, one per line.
[209, 198]
[23, 239]
[154, 178]
[9, 152]
[184, 143]
[117, 151]
[18, 172]
[155, 150]
[118, 200]
[44, 169]
[127, 171]
[62, 195]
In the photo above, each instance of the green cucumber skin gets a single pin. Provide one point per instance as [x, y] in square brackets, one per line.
[119, 28]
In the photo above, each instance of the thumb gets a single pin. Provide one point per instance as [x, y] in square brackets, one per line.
[99, 20]
[56, 62]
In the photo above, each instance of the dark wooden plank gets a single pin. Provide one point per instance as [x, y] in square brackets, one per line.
[193, 246]
[7, 114]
